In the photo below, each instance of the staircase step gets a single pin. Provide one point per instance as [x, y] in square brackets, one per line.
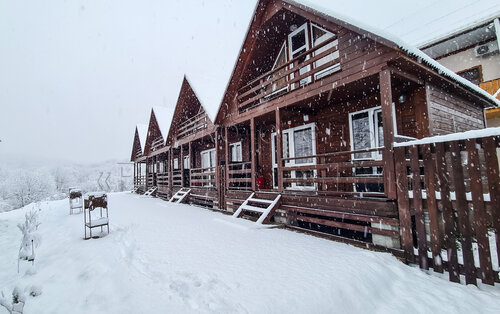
[253, 208]
[259, 200]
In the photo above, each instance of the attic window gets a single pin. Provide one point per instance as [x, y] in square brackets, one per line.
[473, 75]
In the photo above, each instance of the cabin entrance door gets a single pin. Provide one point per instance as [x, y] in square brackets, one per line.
[297, 142]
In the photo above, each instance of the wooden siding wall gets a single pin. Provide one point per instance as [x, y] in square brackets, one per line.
[449, 113]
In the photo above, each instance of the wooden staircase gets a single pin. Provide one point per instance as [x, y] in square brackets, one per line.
[180, 195]
[265, 207]
[151, 191]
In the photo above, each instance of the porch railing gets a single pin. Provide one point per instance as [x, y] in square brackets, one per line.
[287, 77]
[202, 177]
[448, 199]
[192, 125]
[151, 179]
[335, 173]
[491, 86]
[162, 179]
[139, 180]
[240, 176]
[177, 178]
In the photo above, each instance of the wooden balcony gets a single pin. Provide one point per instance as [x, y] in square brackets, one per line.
[491, 86]
[240, 176]
[336, 173]
[157, 144]
[304, 69]
[202, 177]
[192, 125]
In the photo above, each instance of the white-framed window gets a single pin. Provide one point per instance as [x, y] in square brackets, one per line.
[186, 161]
[236, 152]
[297, 142]
[176, 163]
[298, 42]
[208, 158]
[367, 131]
[320, 35]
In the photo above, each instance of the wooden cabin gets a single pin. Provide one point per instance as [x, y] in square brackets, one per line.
[192, 145]
[312, 113]
[138, 157]
[156, 155]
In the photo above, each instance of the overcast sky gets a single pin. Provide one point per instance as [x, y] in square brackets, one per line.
[76, 76]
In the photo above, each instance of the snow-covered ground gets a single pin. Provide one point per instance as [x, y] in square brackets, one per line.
[162, 258]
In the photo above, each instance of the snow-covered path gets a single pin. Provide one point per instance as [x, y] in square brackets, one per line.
[177, 258]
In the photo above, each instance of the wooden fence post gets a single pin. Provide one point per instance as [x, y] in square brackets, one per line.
[405, 229]
[480, 222]
[463, 214]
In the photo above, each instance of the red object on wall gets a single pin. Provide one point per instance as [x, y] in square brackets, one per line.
[260, 182]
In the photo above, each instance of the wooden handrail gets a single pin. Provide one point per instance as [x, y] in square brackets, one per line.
[294, 80]
[305, 53]
[347, 152]
[295, 68]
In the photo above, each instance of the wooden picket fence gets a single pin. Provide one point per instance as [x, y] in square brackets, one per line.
[448, 202]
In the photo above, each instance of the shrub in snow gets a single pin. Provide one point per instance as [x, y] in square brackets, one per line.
[30, 239]
[26, 187]
[17, 304]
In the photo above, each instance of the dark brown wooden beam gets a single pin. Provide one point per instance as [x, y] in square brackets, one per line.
[279, 150]
[388, 125]
[252, 151]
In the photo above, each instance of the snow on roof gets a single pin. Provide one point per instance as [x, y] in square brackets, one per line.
[211, 86]
[164, 118]
[453, 137]
[142, 130]
[418, 22]
[333, 9]
[211, 110]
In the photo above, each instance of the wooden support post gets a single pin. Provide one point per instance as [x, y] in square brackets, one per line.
[388, 123]
[170, 161]
[135, 174]
[217, 178]
[181, 160]
[190, 162]
[226, 149]
[279, 150]
[252, 152]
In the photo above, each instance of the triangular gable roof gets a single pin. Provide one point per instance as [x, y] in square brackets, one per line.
[161, 118]
[328, 9]
[186, 93]
[139, 140]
